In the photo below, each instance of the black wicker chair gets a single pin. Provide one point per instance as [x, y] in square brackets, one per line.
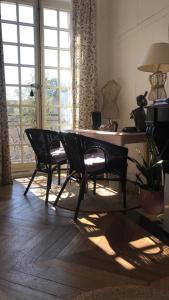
[88, 159]
[48, 153]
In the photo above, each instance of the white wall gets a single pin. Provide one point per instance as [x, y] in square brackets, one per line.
[136, 24]
[126, 29]
[104, 49]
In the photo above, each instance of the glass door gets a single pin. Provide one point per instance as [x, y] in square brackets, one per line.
[37, 58]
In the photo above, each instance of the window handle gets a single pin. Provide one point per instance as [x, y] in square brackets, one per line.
[35, 85]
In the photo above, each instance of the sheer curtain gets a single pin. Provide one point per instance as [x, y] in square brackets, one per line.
[84, 61]
[5, 165]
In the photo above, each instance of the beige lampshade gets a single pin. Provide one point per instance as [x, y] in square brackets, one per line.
[156, 59]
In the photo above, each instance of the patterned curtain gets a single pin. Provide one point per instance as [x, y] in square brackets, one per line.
[5, 165]
[84, 62]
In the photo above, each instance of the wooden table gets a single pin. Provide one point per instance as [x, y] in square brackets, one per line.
[118, 138]
[121, 139]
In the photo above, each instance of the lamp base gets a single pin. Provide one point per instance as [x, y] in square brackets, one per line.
[157, 81]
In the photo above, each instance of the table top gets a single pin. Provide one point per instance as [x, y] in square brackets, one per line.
[119, 137]
[105, 132]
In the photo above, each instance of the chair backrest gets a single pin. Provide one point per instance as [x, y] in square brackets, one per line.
[110, 148]
[42, 142]
[74, 150]
[76, 146]
[115, 155]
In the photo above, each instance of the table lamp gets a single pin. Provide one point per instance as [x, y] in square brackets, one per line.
[156, 61]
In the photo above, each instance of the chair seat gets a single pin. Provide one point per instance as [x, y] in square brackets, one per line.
[94, 162]
[58, 155]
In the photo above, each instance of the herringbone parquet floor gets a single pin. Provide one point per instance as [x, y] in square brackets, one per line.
[45, 255]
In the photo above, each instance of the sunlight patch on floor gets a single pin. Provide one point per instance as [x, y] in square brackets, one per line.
[85, 221]
[106, 189]
[124, 263]
[146, 245]
[102, 242]
[97, 215]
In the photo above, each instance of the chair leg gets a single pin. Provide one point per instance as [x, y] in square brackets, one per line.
[124, 192]
[80, 197]
[61, 190]
[49, 183]
[94, 186]
[30, 182]
[58, 174]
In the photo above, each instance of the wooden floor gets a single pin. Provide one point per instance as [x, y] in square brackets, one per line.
[45, 255]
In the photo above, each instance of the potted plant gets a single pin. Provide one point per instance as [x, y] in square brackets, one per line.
[150, 179]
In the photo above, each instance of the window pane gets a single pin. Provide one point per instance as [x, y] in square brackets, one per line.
[51, 77]
[12, 95]
[10, 54]
[26, 14]
[50, 17]
[11, 75]
[66, 118]
[8, 11]
[52, 125]
[52, 117]
[65, 98]
[50, 37]
[9, 33]
[14, 134]
[51, 99]
[15, 152]
[28, 116]
[64, 39]
[64, 19]
[27, 55]
[65, 59]
[24, 136]
[13, 116]
[51, 58]
[28, 154]
[27, 75]
[65, 78]
[26, 98]
[26, 35]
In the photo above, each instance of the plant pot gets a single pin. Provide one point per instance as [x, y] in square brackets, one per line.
[152, 202]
